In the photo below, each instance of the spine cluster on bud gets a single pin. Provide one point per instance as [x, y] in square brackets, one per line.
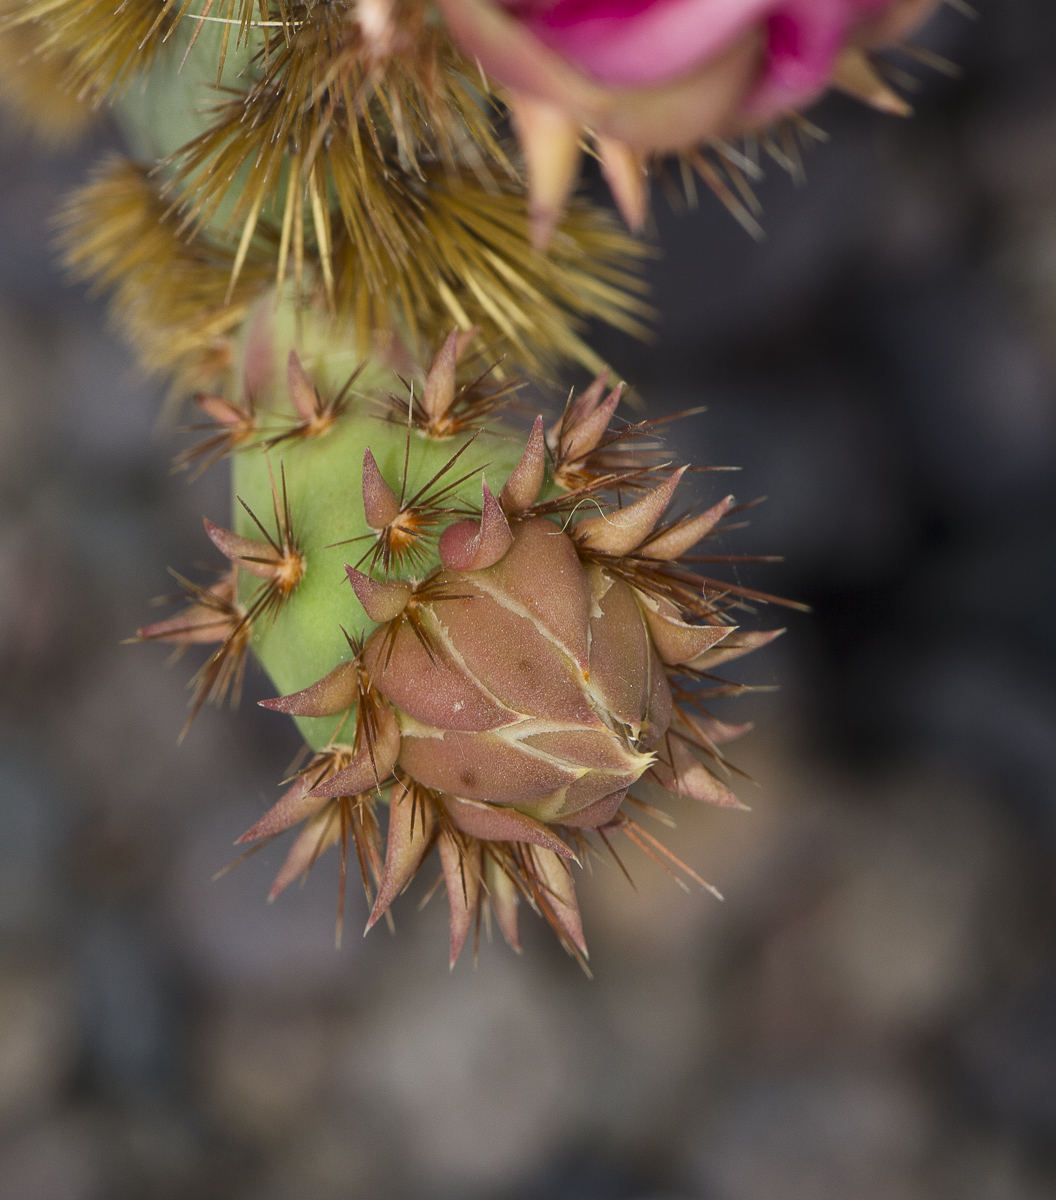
[510, 660]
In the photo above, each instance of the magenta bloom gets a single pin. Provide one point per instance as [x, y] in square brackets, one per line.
[635, 43]
[646, 77]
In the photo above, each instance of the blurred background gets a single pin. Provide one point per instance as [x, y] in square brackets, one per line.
[870, 1014]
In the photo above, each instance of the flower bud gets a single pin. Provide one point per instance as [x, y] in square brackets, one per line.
[508, 702]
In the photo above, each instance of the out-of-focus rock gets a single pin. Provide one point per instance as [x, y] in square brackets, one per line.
[37, 1040]
[476, 1076]
[817, 1134]
[63, 1159]
[239, 943]
[265, 1072]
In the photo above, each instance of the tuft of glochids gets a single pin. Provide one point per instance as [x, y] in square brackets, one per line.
[524, 664]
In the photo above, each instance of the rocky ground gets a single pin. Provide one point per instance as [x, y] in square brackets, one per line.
[871, 1013]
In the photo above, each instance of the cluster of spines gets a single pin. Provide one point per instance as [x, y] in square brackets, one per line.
[370, 177]
[506, 855]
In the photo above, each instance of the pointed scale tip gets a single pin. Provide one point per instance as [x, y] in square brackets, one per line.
[334, 693]
[736, 645]
[219, 409]
[372, 765]
[439, 393]
[672, 543]
[504, 900]
[590, 398]
[318, 835]
[560, 896]
[381, 505]
[465, 339]
[302, 391]
[472, 545]
[675, 641]
[462, 872]
[588, 425]
[409, 836]
[627, 180]
[258, 558]
[294, 806]
[618, 533]
[855, 75]
[526, 480]
[382, 602]
[549, 141]
[258, 359]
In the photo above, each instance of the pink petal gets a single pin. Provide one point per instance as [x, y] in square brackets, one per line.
[629, 43]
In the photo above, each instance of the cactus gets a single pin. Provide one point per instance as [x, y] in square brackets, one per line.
[495, 637]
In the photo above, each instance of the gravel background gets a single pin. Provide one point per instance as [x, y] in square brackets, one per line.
[871, 1014]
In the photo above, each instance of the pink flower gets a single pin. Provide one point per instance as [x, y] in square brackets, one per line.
[649, 76]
